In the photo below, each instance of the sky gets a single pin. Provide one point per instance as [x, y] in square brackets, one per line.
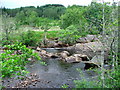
[19, 3]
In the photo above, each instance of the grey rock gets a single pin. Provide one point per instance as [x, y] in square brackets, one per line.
[90, 49]
[64, 54]
[73, 59]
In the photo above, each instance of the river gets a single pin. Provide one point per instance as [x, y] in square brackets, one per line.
[55, 74]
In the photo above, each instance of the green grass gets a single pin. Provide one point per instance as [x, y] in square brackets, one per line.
[33, 38]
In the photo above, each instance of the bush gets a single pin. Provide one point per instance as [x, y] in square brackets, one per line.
[111, 80]
[72, 16]
[15, 58]
[29, 38]
[69, 35]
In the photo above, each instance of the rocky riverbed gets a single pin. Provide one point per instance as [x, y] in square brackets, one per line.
[61, 65]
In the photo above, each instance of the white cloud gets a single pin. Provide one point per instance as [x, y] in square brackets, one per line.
[19, 3]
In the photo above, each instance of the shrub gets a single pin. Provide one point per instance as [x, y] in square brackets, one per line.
[69, 35]
[15, 58]
[29, 38]
[111, 80]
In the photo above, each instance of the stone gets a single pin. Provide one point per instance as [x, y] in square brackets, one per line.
[56, 45]
[49, 54]
[81, 56]
[73, 59]
[70, 59]
[43, 52]
[38, 49]
[90, 49]
[31, 47]
[64, 54]
[2, 51]
[94, 62]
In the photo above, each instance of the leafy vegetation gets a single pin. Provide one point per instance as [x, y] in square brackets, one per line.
[15, 58]
[33, 38]
[29, 38]
[64, 86]
[72, 16]
[69, 35]
[111, 79]
[75, 22]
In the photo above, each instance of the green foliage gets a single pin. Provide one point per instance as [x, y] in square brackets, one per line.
[94, 15]
[34, 38]
[5, 42]
[29, 17]
[46, 22]
[52, 34]
[52, 11]
[85, 84]
[32, 18]
[72, 16]
[111, 79]
[8, 26]
[64, 86]
[20, 17]
[69, 35]
[15, 58]
[29, 38]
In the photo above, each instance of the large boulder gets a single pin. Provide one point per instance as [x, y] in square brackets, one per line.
[90, 49]
[75, 58]
[94, 62]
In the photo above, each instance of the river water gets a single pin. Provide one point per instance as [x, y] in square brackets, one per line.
[55, 74]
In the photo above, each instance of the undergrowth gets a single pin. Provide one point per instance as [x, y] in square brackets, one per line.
[14, 59]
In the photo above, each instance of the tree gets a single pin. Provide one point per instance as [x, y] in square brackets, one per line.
[53, 11]
[94, 14]
[69, 35]
[20, 17]
[50, 13]
[46, 26]
[8, 26]
[32, 18]
[72, 16]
